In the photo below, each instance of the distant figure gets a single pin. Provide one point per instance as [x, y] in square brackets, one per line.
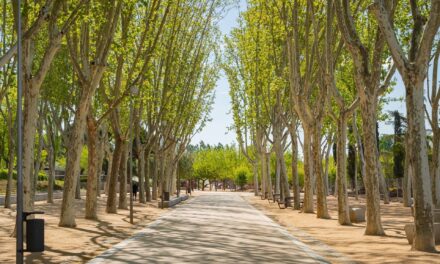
[135, 190]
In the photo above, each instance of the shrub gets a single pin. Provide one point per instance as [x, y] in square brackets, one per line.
[4, 175]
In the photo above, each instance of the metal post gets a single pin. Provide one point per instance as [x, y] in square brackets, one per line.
[19, 217]
[131, 160]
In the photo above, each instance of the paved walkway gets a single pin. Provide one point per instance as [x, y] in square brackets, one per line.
[212, 228]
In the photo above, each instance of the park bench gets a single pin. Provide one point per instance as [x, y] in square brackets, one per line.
[287, 202]
[275, 197]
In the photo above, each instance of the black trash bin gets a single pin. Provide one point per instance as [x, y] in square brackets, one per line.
[35, 235]
[166, 196]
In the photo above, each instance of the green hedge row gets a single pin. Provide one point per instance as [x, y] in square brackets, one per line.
[4, 175]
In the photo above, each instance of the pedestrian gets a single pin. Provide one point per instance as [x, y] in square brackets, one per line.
[135, 190]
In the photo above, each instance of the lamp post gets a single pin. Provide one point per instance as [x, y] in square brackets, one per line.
[19, 217]
[133, 92]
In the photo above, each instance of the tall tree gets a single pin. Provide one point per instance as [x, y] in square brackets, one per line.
[413, 67]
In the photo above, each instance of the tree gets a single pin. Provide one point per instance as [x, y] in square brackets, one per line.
[413, 69]
[89, 73]
[368, 74]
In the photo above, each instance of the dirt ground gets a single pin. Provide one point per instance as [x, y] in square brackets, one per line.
[350, 240]
[80, 244]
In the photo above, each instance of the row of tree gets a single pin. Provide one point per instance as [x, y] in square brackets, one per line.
[318, 66]
[123, 78]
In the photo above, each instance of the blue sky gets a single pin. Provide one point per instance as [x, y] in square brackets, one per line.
[217, 130]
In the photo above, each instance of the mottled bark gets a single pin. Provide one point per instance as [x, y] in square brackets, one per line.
[51, 173]
[308, 175]
[113, 178]
[102, 140]
[141, 175]
[268, 176]
[322, 210]
[423, 216]
[155, 170]
[368, 111]
[295, 178]
[343, 213]
[264, 188]
[74, 150]
[407, 176]
[148, 170]
[256, 184]
[383, 187]
[92, 173]
[123, 176]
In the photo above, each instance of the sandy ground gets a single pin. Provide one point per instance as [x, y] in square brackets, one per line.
[350, 240]
[80, 244]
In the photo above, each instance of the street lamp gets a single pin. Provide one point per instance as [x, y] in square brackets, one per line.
[19, 195]
[133, 92]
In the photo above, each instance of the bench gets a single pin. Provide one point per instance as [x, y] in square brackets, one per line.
[287, 202]
[275, 197]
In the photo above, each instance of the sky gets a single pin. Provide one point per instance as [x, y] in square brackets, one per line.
[217, 130]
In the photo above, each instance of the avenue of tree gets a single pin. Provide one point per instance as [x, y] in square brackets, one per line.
[313, 74]
[108, 80]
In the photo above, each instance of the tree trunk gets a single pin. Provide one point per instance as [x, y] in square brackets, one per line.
[113, 178]
[356, 192]
[343, 213]
[322, 210]
[67, 218]
[37, 162]
[368, 111]
[109, 157]
[269, 177]
[51, 173]
[383, 187]
[295, 178]
[148, 171]
[155, 169]
[326, 168]
[92, 173]
[101, 153]
[256, 183]
[264, 189]
[30, 117]
[277, 175]
[423, 216]
[308, 166]
[435, 161]
[123, 176]
[78, 187]
[141, 175]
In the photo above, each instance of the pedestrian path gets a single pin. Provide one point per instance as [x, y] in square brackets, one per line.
[212, 228]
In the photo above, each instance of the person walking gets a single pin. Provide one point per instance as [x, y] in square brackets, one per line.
[135, 190]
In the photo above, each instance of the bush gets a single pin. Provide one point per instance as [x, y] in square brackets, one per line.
[4, 175]
[42, 185]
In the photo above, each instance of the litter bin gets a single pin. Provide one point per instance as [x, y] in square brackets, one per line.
[34, 232]
[35, 235]
[166, 196]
